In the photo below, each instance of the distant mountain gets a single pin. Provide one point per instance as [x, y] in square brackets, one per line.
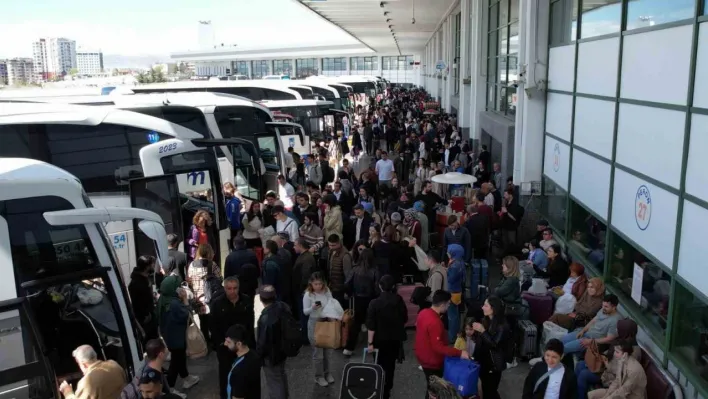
[111, 61]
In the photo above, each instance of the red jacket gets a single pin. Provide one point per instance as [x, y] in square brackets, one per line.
[431, 345]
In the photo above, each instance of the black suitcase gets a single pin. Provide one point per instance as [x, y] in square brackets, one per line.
[363, 380]
[527, 344]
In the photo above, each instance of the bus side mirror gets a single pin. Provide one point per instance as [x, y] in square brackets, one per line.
[156, 232]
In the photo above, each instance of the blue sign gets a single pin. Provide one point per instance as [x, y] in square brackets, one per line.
[153, 137]
[196, 175]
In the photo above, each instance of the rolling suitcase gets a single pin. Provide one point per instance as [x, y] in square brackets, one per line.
[479, 276]
[363, 380]
[540, 307]
[406, 291]
[528, 339]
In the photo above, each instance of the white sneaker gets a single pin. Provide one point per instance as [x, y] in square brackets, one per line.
[363, 328]
[329, 378]
[347, 352]
[190, 381]
[321, 381]
[178, 393]
[420, 368]
[534, 361]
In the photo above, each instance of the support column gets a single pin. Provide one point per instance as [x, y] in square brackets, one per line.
[531, 103]
[462, 65]
[478, 60]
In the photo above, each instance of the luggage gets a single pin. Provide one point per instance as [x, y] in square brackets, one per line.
[552, 330]
[479, 276]
[463, 374]
[406, 292]
[540, 306]
[363, 380]
[528, 339]
[328, 334]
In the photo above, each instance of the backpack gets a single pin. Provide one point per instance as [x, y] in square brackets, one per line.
[291, 335]
[213, 286]
[327, 174]
[233, 213]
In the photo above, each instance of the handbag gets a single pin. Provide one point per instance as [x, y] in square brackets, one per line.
[593, 358]
[347, 319]
[328, 334]
[196, 344]
[463, 374]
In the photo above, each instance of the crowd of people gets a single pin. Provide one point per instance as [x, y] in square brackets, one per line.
[341, 238]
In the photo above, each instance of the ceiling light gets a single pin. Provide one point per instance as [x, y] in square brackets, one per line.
[386, 13]
[390, 26]
[389, 20]
[382, 4]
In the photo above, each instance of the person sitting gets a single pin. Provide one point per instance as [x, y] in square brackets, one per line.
[575, 284]
[101, 380]
[602, 328]
[587, 306]
[550, 379]
[557, 272]
[537, 255]
[626, 331]
[631, 380]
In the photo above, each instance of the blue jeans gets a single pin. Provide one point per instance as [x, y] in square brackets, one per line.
[586, 378]
[571, 343]
[453, 322]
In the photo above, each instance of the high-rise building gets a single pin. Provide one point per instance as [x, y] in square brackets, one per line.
[19, 71]
[3, 72]
[53, 57]
[89, 62]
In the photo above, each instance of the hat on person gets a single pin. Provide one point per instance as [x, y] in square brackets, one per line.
[396, 217]
[419, 206]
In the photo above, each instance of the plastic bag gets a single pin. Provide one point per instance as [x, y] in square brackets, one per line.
[89, 297]
[463, 374]
[196, 344]
[565, 304]
[538, 287]
[332, 310]
[552, 330]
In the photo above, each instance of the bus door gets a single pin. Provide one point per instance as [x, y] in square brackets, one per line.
[271, 152]
[292, 135]
[159, 194]
[199, 183]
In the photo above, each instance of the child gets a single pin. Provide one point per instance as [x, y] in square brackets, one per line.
[468, 342]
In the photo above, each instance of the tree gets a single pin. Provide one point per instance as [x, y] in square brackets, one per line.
[154, 75]
[73, 71]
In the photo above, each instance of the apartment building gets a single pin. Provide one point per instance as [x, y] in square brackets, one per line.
[3, 72]
[53, 57]
[89, 62]
[19, 71]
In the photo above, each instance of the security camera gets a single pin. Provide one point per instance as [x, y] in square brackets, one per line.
[382, 4]
[413, 21]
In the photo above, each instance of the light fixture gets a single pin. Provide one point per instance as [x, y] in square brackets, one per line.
[389, 20]
[390, 26]
[386, 13]
[382, 4]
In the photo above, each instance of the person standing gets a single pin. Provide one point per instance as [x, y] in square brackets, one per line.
[176, 260]
[141, 297]
[362, 287]
[233, 308]
[200, 271]
[455, 281]
[285, 223]
[269, 342]
[431, 344]
[198, 232]
[101, 380]
[316, 298]
[550, 379]
[244, 379]
[271, 272]
[384, 169]
[386, 318]
[286, 192]
[233, 211]
[493, 344]
[339, 267]
[305, 265]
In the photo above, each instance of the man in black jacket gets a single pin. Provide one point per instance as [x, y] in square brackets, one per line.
[305, 265]
[227, 310]
[478, 226]
[269, 342]
[177, 260]
[510, 217]
[302, 207]
[430, 199]
[551, 378]
[140, 290]
[239, 257]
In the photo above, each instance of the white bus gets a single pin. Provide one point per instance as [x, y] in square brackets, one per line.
[102, 146]
[213, 115]
[360, 85]
[276, 77]
[60, 287]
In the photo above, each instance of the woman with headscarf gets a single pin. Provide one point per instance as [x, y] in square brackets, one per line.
[585, 309]
[174, 314]
[626, 331]
[369, 208]
[412, 226]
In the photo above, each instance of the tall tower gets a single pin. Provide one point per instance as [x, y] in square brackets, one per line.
[206, 35]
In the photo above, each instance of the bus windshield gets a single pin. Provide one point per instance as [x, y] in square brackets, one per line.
[305, 93]
[310, 117]
[240, 122]
[367, 88]
[188, 117]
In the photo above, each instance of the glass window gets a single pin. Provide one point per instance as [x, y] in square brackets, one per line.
[554, 204]
[241, 68]
[587, 236]
[40, 250]
[282, 67]
[689, 336]
[655, 284]
[643, 13]
[103, 157]
[601, 18]
[366, 64]
[269, 151]
[305, 67]
[563, 25]
[259, 69]
[334, 64]
[247, 181]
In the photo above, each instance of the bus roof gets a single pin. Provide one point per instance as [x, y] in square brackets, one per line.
[41, 113]
[296, 103]
[190, 99]
[32, 171]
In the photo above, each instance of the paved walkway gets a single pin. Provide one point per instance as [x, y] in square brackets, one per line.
[409, 381]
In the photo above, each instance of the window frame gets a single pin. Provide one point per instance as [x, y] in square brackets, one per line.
[310, 67]
[497, 29]
[458, 49]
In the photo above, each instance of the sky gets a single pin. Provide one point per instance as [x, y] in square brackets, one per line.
[159, 27]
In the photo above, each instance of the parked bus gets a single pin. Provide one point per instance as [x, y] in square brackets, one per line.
[60, 287]
[276, 77]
